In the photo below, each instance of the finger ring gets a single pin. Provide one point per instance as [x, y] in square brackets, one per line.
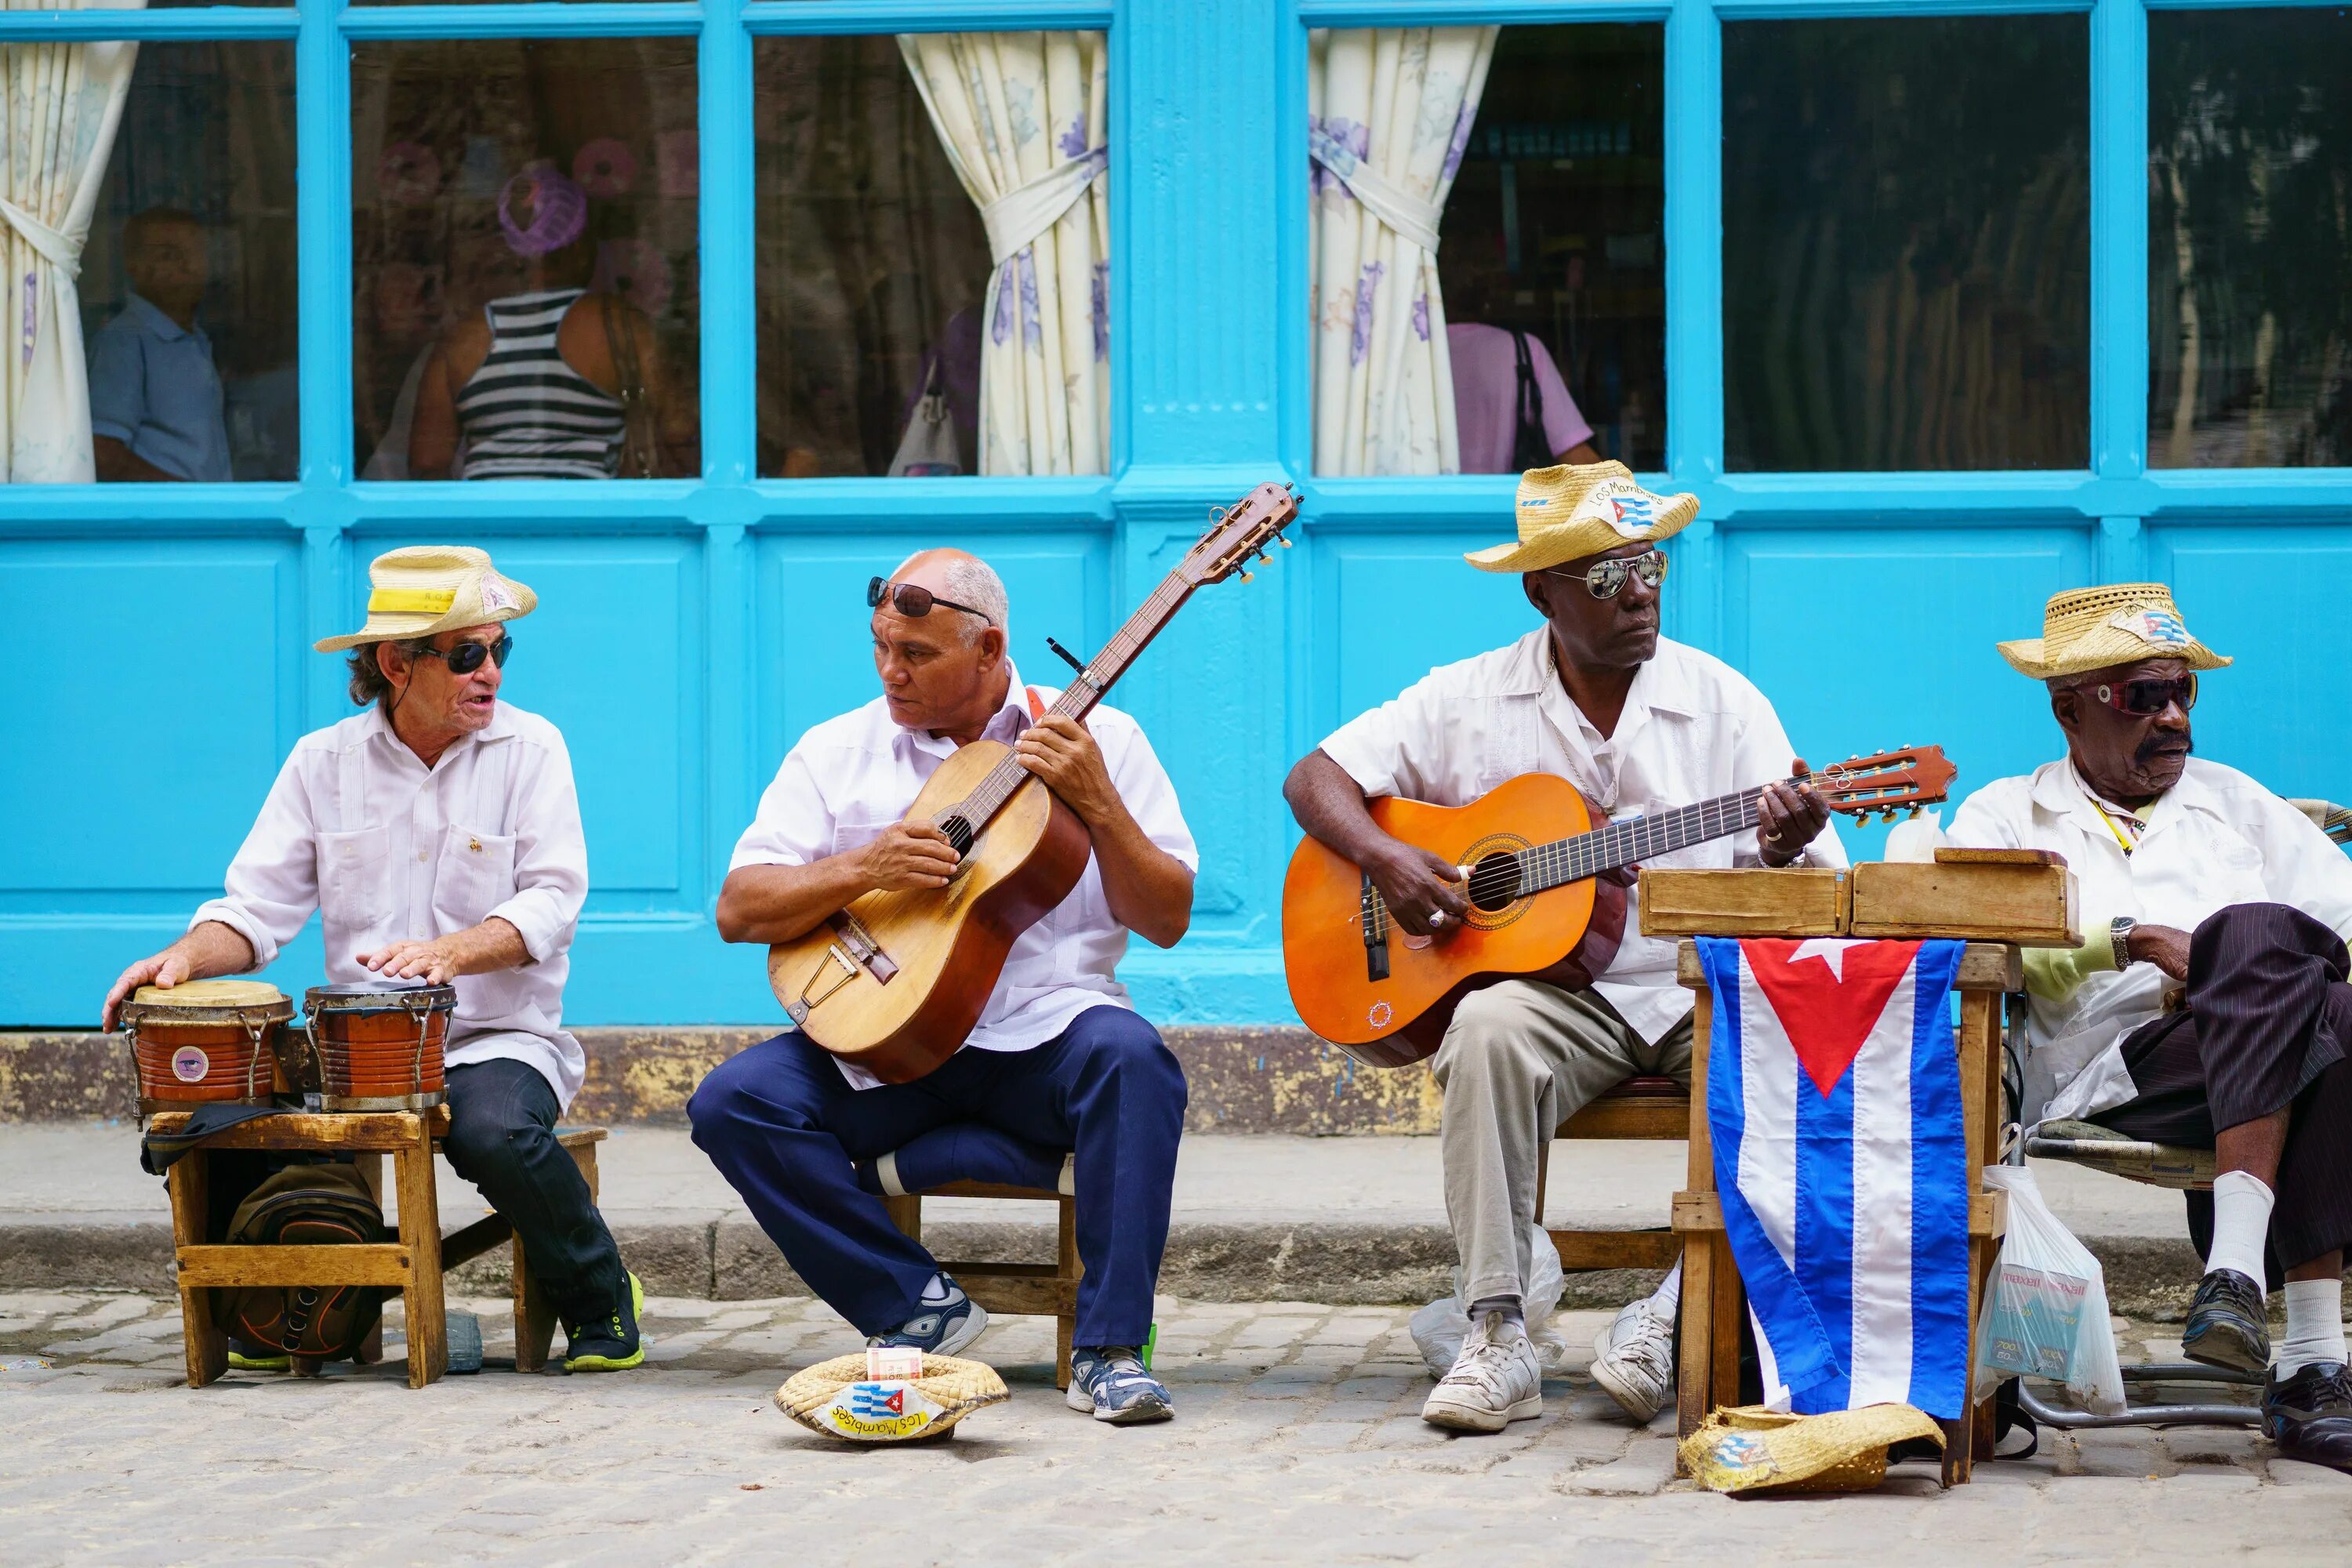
[1773, 837]
[1437, 920]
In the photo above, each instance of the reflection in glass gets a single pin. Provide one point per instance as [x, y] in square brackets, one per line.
[525, 252]
[1906, 243]
[872, 265]
[2249, 163]
[187, 279]
[1553, 264]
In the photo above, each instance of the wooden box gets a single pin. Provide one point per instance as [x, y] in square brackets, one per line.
[2022, 896]
[1725, 901]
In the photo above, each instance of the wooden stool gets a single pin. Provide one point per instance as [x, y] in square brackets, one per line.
[534, 1314]
[1648, 1108]
[1039, 1290]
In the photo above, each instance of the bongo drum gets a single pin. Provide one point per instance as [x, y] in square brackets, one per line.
[377, 1045]
[208, 1040]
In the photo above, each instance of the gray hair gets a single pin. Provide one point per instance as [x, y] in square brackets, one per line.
[369, 683]
[973, 582]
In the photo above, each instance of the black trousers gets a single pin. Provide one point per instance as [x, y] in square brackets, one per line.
[502, 1117]
[2268, 1021]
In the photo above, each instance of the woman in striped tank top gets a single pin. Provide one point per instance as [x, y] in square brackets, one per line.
[532, 389]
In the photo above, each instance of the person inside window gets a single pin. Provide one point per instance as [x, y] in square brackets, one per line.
[1511, 405]
[154, 397]
[541, 385]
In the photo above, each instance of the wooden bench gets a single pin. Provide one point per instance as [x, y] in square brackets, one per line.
[1039, 1290]
[413, 1263]
[1646, 1108]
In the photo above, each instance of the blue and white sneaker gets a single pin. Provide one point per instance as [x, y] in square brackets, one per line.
[1111, 1382]
[941, 1327]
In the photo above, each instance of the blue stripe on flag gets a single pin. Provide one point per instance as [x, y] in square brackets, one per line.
[1940, 1195]
[1825, 1231]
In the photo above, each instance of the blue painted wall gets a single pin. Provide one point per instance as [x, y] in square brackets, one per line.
[155, 662]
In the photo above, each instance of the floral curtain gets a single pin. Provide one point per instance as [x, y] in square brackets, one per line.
[59, 105]
[1021, 116]
[1389, 114]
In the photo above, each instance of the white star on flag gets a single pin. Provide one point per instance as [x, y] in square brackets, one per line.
[1830, 950]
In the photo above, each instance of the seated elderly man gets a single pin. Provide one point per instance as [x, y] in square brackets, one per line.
[438, 836]
[2191, 872]
[1059, 1059]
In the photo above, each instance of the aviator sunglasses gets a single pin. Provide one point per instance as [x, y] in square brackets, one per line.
[2144, 699]
[469, 657]
[1606, 578]
[912, 602]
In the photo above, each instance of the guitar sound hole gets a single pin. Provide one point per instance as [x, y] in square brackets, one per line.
[959, 833]
[1494, 883]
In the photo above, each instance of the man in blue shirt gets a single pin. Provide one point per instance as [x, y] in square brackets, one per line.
[154, 396]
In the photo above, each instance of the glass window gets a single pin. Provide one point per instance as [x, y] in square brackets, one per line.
[524, 246]
[1907, 244]
[187, 277]
[2249, 163]
[1553, 261]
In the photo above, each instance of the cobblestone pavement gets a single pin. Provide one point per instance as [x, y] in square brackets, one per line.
[1297, 1438]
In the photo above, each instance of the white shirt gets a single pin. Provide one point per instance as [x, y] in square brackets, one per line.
[386, 850]
[2213, 839]
[849, 778]
[1693, 728]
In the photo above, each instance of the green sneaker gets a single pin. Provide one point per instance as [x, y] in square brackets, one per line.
[245, 1356]
[609, 1344]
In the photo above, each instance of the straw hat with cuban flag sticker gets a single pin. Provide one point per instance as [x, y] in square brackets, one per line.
[890, 1394]
[1570, 511]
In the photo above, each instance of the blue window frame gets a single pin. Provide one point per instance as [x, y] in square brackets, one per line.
[1865, 603]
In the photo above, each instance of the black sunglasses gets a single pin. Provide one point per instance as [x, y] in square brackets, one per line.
[912, 602]
[467, 656]
[2143, 698]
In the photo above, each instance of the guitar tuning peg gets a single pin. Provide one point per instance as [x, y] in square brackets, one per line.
[1285, 541]
[1915, 814]
[1263, 558]
[1245, 577]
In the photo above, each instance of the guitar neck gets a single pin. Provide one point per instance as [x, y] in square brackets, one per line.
[1636, 839]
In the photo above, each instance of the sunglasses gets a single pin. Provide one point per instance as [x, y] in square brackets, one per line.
[912, 602]
[469, 656]
[1606, 578]
[2145, 698]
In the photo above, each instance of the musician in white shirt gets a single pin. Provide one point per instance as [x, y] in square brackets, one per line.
[438, 836]
[1060, 1060]
[1639, 724]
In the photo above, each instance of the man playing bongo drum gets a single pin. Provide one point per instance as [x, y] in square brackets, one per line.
[438, 836]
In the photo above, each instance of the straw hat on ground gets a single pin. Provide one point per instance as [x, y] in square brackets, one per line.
[1752, 1449]
[421, 590]
[2095, 628]
[841, 1399]
[1568, 511]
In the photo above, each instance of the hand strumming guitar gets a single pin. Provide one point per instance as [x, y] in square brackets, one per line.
[909, 854]
[1423, 892]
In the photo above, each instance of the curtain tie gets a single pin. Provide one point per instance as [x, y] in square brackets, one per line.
[60, 248]
[1016, 218]
[1406, 215]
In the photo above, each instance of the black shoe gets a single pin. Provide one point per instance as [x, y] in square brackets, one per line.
[2309, 1416]
[2228, 1323]
[609, 1344]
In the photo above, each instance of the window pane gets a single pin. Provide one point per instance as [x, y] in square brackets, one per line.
[523, 236]
[2249, 161]
[187, 280]
[1554, 232]
[1906, 243]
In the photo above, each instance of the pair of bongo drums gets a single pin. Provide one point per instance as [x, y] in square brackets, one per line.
[375, 1046]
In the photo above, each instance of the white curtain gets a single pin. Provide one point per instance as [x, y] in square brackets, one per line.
[1021, 118]
[1388, 112]
[60, 106]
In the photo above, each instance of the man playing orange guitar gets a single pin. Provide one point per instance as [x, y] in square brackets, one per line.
[1059, 1059]
[1639, 723]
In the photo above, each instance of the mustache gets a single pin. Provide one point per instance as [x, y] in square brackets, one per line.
[2156, 744]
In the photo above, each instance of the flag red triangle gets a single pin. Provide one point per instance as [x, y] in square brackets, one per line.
[1827, 1018]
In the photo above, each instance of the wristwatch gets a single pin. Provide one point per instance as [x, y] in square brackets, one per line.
[2119, 932]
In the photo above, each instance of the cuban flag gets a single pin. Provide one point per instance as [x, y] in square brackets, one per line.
[875, 1401]
[1840, 1160]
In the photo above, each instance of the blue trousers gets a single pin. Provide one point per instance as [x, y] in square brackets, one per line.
[786, 1131]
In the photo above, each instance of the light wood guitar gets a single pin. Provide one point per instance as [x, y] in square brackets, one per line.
[895, 981]
[1547, 891]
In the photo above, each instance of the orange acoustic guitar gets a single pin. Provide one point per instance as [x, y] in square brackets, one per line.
[895, 981]
[1547, 893]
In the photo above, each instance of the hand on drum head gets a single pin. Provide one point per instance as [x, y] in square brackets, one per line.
[209, 950]
[478, 950]
[169, 967]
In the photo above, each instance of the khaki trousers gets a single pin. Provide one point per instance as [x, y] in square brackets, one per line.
[1519, 1058]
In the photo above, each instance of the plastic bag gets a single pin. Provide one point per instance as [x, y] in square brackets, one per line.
[2046, 1313]
[1439, 1329]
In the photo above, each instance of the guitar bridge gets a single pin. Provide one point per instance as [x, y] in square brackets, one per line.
[854, 953]
[1374, 919]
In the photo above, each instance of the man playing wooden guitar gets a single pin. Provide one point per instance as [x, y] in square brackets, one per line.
[1058, 1060]
[1638, 723]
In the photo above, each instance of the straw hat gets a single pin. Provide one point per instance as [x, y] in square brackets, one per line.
[420, 590]
[2092, 628]
[1570, 511]
[839, 1399]
[1752, 1449]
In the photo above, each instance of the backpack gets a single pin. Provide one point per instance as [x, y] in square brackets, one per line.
[305, 1205]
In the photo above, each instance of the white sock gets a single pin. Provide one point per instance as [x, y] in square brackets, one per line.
[2315, 1325]
[2241, 1218]
[1514, 1314]
[1669, 1295]
[936, 1291]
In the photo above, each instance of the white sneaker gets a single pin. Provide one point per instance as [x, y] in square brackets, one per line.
[1633, 1359]
[1496, 1381]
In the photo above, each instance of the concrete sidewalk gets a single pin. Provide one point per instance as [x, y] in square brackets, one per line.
[1256, 1218]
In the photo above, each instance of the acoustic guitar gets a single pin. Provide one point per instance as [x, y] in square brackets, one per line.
[895, 981]
[1546, 892]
